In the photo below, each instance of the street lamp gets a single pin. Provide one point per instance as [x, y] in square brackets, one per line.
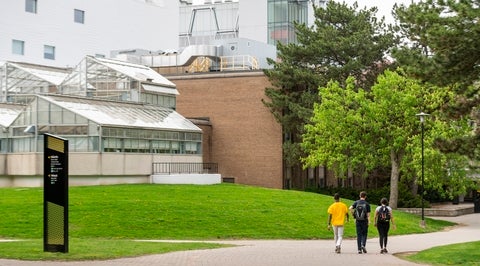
[422, 117]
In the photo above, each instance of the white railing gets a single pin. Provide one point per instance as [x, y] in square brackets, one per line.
[238, 62]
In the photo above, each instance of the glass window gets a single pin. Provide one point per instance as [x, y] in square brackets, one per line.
[55, 114]
[49, 52]
[68, 117]
[191, 147]
[112, 145]
[175, 146]
[281, 17]
[131, 133]
[143, 146]
[31, 6]
[78, 144]
[18, 47]
[160, 147]
[79, 16]
[93, 144]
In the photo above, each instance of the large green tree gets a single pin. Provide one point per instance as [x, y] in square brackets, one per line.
[442, 38]
[344, 41]
[360, 130]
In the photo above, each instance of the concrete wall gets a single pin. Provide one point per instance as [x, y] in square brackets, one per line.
[26, 170]
[246, 139]
[195, 179]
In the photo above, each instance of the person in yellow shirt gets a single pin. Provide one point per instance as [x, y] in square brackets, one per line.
[337, 212]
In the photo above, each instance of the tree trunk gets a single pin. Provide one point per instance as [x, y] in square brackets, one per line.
[395, 159]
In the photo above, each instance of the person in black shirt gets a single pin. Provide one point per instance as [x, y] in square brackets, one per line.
[361, 212]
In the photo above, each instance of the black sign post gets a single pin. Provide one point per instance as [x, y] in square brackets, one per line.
[55, 194]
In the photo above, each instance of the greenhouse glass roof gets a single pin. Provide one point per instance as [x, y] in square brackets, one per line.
[92, 74]
[122, 114]
[137, 72]
[9, 112]
[29, 78]
[114, 79]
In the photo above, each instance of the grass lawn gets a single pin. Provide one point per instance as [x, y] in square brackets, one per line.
[456, 254]
[106, 218]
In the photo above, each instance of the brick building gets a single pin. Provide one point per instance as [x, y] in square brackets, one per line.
[240, 133]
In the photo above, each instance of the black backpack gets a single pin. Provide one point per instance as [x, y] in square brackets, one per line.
[384, 214]
[360, 213]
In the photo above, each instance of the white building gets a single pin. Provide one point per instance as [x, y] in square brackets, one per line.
[265, 21]
[61, 33]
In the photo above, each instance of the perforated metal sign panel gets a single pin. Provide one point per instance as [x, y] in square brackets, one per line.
[55, 204]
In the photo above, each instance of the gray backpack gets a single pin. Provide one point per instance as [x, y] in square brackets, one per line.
[360, 212]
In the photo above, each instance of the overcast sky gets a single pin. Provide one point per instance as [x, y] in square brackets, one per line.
[384, 6]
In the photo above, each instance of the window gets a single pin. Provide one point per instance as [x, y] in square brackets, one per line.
[31, 6]
[49, 52]
[18, 47]
[79, 16]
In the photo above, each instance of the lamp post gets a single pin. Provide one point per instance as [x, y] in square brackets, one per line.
[422, 117]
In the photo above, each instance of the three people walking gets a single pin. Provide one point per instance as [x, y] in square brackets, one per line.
[338, 214]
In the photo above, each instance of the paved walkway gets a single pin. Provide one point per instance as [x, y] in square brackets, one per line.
[295, 252]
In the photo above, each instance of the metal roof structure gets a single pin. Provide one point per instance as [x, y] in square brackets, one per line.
[9, 112]
[123, 114]
[92, 77]
[114, 79]
[23, 78]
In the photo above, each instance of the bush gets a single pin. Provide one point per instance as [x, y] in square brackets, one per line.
[405, 197]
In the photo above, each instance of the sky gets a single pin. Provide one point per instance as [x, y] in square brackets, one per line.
[384, 6]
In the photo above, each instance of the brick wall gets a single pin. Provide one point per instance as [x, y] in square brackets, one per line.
[246, 140]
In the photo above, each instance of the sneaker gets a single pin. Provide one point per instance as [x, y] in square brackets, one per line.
[359, 251]
[364, 250]
[382, 251]
[385, 251]
[338, 249]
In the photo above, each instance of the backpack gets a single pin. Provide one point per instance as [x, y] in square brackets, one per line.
[360, 213]
[384, 214]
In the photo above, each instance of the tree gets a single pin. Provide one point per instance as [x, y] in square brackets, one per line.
[441, 47]
[355, 129]
[343, 42]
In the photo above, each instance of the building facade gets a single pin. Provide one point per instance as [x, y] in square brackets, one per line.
[61, 33]
[246, 140]
[119, 119]
[268, 21]
[52, 33]
[224, 99]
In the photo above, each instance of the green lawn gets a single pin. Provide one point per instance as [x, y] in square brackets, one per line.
[457, 254]
[112, 216]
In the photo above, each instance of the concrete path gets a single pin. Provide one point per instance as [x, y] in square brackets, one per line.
[295, 252]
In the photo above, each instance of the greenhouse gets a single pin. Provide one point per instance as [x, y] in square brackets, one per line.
[18, 79]
[93, 125]
[121, 81]
[119, 118]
